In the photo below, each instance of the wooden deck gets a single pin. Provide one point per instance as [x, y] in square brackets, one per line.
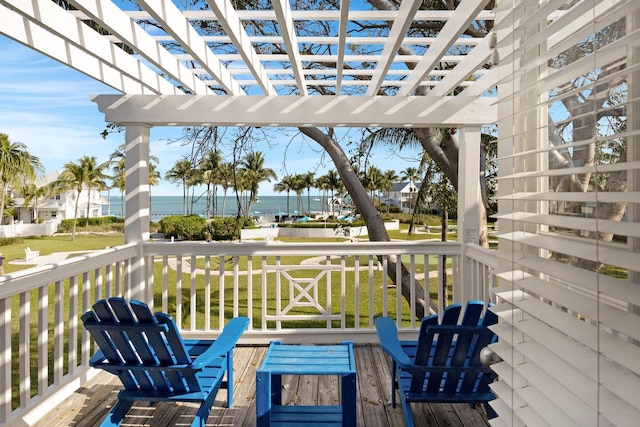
[90, 404]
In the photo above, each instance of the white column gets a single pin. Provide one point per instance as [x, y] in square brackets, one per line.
[468, 198]
[136, 224]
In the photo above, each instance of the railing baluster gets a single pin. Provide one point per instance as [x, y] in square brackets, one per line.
[193, 298]
[5, 359]
[165, 283]
[221, 294]
[250, 289]
[24, 350]
[207, 292]
[412, 284]
[356, 287]
[86, 304]
[72, 357]
[236, 271]
[370, 315]
[43, 339]
[179, 291]
[58, 333]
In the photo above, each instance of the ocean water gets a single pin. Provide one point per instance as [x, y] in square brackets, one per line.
[267, 206]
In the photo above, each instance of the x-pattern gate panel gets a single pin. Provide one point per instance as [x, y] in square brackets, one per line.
[309, 297]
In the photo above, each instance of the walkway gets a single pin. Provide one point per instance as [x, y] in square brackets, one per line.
[52, 258]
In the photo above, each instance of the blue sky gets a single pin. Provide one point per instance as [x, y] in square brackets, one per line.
[45, 105]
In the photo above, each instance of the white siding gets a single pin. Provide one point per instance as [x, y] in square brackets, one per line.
[568, 297]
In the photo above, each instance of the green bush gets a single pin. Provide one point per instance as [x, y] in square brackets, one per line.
[226, 228]
[66, 225]
[191, 227]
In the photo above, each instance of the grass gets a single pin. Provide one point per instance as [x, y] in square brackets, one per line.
[56, 243]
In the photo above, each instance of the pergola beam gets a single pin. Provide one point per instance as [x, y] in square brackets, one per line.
[114, 20]
[64, 25]
[401, 24]
[174, 23]
[25, 31]
[295, 111]
[466, 12]
[288, 30]
[473, 61]
[229, 20]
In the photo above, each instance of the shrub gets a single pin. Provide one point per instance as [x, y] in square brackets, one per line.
[191, 227]
[227, 228]
[66, 225]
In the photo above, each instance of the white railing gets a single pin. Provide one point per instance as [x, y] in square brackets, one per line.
[484, 264]
[296, 292]
[313, 292]
[45, 350]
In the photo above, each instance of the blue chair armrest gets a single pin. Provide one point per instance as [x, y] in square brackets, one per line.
[225, 342]
[388, 336]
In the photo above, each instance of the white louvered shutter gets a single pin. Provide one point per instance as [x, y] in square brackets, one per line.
[568, 292]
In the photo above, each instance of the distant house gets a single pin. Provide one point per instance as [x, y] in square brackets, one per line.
[60, 206]
[403, 195]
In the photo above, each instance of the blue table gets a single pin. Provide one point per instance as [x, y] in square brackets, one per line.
[305, 360]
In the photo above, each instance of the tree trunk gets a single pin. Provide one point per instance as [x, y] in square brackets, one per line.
[371, 217]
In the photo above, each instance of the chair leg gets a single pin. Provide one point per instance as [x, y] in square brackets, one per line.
[117, 414]
[205, 409]
[406, 411]
[229, 378]
[394, 384]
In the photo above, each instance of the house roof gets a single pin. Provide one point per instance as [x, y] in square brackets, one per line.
[278, 65]
[400, 186]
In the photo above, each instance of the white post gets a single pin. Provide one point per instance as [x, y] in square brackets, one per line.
[136, 223]
[469, 196]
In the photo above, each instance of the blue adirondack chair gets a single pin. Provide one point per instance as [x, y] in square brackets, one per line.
[443, 365]
[154, 363]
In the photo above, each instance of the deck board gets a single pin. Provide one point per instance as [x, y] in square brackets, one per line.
[90, 404]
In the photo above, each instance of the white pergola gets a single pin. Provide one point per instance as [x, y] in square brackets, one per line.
[171, 72]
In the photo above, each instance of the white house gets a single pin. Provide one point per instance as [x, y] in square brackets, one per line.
[60, 206]
[403, 195]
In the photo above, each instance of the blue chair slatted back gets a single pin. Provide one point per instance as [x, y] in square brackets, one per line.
[139, 344]
[452, 350]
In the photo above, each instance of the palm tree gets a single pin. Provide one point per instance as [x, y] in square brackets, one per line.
[33, 193]
[208, 166]
[118, 180]
[225, 180]
[284, 185]
[412, 174]
[390, 178]
[298, 185]
[309, 182]
[334, 183]
[17, 167]
[78, 176]
[181, 173]
[254, 172]
[154, 179]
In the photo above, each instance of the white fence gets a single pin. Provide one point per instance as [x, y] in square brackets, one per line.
[20, 229]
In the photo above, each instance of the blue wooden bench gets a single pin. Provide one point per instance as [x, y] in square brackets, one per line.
[443, 364]
[154, 363]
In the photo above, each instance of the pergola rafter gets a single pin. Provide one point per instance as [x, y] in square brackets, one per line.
[463, 16]
[114, 20]
[174, 23]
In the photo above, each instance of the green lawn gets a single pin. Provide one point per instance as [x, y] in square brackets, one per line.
[56, 243]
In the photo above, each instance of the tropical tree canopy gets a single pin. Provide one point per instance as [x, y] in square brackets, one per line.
[18, 167]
